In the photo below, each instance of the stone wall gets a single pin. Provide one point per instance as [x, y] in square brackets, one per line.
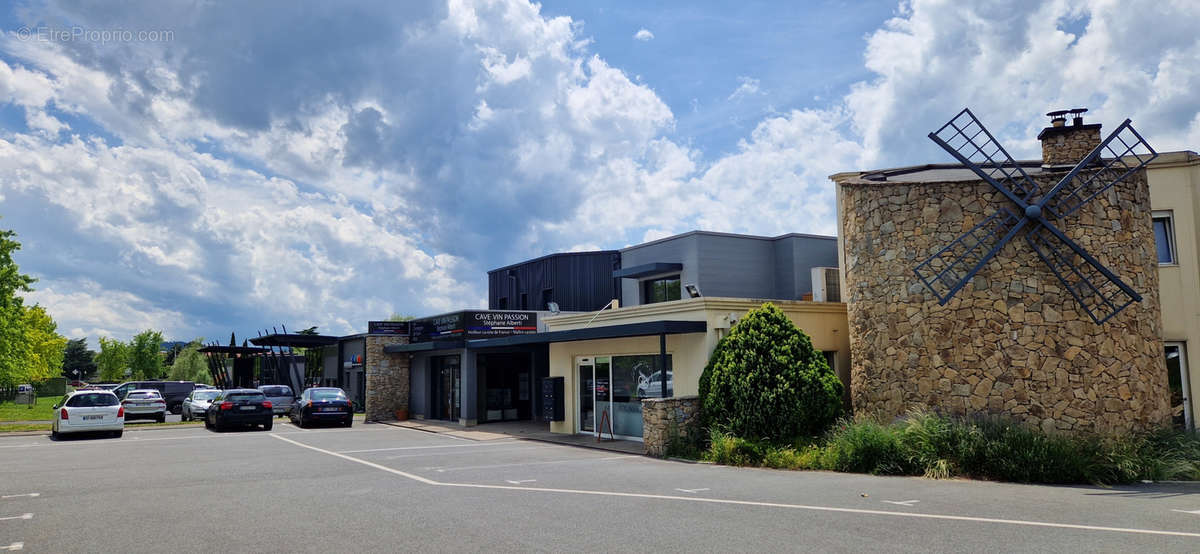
[667, 418]
[387, 378]
[1012, 342]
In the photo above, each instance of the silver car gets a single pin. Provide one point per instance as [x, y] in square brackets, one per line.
[281, 397]
[145, 404]
[197, 403]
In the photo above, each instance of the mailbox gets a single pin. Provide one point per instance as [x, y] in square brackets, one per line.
[553, 399]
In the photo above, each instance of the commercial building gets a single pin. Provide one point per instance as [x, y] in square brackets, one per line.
[608, 329]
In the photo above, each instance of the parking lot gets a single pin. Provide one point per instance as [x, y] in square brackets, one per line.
[382, 488]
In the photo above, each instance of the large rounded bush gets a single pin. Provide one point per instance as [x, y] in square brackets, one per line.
[765, 381]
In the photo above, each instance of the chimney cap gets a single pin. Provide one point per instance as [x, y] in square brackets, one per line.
[1058, 114]
[1077, 111]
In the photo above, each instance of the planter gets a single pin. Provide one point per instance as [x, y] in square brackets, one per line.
[401, 415]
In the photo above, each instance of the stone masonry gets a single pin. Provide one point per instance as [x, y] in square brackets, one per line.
[387, 378]
[1066, 145]
[1013, 342]
[667, 418]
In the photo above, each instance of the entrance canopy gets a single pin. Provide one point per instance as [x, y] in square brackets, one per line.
[643, 329]
[295, 340]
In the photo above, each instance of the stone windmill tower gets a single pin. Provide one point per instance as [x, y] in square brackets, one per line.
[1026, 290]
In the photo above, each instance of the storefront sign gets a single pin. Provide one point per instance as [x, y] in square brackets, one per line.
[473, 324]
[495, 324]
[433, 328]
[387, 327]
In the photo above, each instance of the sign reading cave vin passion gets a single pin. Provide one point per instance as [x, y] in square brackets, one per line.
[472, 324]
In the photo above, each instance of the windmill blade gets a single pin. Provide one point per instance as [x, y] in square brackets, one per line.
[1118, 157]
[948, 270]
[1101, 293]
[965, 138]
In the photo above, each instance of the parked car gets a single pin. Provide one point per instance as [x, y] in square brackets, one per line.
[281, 397]
[197, 403]
[145, 404]
[204, 386]
[322, 404]
[239, 407]
[88, 411]
[173, 392]
[24, 389]
[77, 384]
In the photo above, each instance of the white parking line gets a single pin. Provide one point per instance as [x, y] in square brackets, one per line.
[13, 547]
[426, 447]
[442, 469]
[22, 516]
[860, 511]
[693, 491]
[29, 494]
[905, 503]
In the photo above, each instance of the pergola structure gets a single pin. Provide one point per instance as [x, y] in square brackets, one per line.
[241, 358]
[279, 366]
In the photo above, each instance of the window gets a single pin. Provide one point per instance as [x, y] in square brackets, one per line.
[661, 289]
[1177, 379]
[1164, 238]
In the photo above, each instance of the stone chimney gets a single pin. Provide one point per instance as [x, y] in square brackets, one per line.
[1064, 144]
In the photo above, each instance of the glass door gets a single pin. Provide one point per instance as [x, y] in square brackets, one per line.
[595, 394]
[1177, 378]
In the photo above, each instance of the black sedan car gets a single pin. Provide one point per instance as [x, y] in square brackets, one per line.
[322, 404]
[239, 407]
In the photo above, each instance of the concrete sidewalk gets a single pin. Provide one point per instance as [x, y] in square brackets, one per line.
[518, 429]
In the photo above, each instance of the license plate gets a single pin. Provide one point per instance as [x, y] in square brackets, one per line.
[331, 409]
[91, 417]
[248, 408]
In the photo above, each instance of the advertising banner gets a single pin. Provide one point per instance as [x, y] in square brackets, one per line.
[472, 325]
[387, 327]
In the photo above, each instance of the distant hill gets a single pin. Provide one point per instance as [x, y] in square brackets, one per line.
[169, 345]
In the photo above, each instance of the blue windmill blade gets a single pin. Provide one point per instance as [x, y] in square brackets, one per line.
[965, 138]
[1099, 291]
[949, 269]
[1117, 157]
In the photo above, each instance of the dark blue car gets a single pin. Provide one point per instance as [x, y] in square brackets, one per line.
[320, 405]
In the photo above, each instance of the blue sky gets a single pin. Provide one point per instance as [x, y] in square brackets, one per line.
[213, 168]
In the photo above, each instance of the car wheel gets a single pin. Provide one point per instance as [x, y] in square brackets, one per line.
[349, 422]
[176, 409]
[208, 423]
[268, 425]
[162, 418]
[183, 416]
[117, 434]
[54, 433]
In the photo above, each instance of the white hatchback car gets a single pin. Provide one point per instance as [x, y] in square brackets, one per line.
[88, 411]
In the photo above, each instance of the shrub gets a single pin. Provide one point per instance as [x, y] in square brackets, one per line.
[727, 449]
[866, 447]
[765, 381]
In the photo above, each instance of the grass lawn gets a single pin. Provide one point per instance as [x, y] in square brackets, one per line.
[22, 412]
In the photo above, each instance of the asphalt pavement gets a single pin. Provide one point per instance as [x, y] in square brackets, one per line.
[377, 488]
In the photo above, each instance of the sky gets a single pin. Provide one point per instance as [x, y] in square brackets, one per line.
[206, 167]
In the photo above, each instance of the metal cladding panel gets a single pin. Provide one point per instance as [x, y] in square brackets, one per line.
[736, 266]
[807, 253]
[576, 281]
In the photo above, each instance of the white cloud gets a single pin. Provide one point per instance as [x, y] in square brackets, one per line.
[643, 35]
[748, 87]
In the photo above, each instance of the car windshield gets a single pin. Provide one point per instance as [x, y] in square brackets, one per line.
[245, 397]
[277, 391]
[328, 395]
[143, 394]
[92, 400]
[204, 395]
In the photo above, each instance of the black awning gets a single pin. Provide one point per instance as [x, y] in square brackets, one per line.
[644, 329]
[218, 349]
[646, 269]
[295, 340]
[426, 346]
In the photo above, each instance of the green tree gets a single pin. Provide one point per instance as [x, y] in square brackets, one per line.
[113, 360]
[145, 355]
[400, 317]
[765, 381]
[313, 358]
[78, 361]
[14, 346]
[45, 345]
[190, 364]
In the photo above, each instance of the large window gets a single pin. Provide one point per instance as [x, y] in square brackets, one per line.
[661, 289]
[1177, 379]
[1164, 238]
